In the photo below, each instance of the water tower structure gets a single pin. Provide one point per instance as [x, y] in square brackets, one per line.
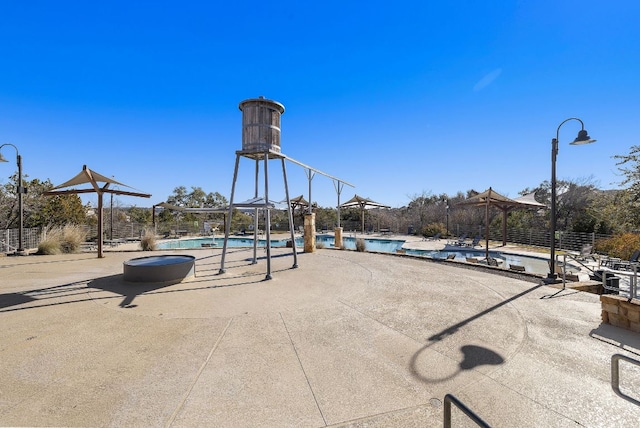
[260, 143]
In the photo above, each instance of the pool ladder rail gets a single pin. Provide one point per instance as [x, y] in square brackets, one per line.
[449, 400]
[615, 376]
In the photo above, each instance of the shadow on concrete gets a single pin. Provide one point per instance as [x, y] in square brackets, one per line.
[14, 299]
[618, 337]
[563, 292]
[78, 292]
[473, 355]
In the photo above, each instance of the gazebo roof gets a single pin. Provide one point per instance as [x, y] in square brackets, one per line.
[359, 201]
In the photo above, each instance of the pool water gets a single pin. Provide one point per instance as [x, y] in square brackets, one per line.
[380, 245]
[532, 264]
[219, 242]
[535, 265]
[370, 244]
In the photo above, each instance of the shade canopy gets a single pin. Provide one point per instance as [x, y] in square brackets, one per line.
[363, 204]
[299, 201]
[490, 198]
[87, 176]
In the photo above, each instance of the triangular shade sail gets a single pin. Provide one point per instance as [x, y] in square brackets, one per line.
[86, 176]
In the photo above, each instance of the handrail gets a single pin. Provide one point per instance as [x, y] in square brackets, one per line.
[448, 399]
[615, 376]
[633, 281]
[633, 276]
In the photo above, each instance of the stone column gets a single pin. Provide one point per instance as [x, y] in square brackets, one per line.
[309, 233]
[337, 240]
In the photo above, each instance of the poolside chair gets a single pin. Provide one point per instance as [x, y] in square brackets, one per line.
[586, 252]
[460, 241]
[517, 268]
[433, 238]
[626, 264]
[473, 243]
[492, 262]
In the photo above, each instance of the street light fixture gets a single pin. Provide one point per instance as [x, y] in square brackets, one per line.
[447, 210]
[21, 191]
[582, 138]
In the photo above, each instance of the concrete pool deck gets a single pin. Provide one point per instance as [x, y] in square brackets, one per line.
[347, 339]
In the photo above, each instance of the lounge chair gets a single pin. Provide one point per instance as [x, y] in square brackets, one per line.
[586, 252]
[473, 243]
[492, 262]
[626, 264]
[517, 268]
[433, 238]
[460, 241]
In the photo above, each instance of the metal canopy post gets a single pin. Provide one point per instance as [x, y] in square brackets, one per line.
[290, 212]
[338, 185]
[310, 174]
[227, 228]
[255, 216]
[268, 220]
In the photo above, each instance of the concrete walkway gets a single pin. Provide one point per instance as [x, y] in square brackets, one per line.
[347, 339]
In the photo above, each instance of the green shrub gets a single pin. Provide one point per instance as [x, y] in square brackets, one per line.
[433, 229]
[621, 246]
[148, 241]
[360, 245]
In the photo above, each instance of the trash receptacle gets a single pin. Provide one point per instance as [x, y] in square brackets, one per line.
[410, 230]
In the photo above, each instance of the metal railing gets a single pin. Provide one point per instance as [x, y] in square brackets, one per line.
[9, 239]
[449, 400]
[615, 376]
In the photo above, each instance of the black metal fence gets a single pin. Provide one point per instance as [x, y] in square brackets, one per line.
[572, 241]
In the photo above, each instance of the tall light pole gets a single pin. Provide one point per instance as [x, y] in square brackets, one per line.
[20, 191]
[447, 208]
[582, 138]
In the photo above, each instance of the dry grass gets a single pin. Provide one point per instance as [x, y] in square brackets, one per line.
[67, 239]
[148, 241]
[361, 245]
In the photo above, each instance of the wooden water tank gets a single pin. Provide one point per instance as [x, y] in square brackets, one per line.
[261, 125]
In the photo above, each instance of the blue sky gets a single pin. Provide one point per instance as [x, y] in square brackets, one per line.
[397, 98]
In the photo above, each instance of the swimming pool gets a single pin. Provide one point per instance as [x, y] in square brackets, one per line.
[371, 244]
[536, 265]
[219, 242]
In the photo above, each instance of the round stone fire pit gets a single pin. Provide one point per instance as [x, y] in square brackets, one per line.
[174, 268]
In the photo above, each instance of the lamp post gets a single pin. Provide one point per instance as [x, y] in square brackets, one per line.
[20, 190]
[582, 138]
[447, 208]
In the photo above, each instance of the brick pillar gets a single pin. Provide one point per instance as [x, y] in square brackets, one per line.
[309, 233]
[337, 241]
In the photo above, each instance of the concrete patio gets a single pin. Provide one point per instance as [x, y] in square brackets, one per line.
[347, 339]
